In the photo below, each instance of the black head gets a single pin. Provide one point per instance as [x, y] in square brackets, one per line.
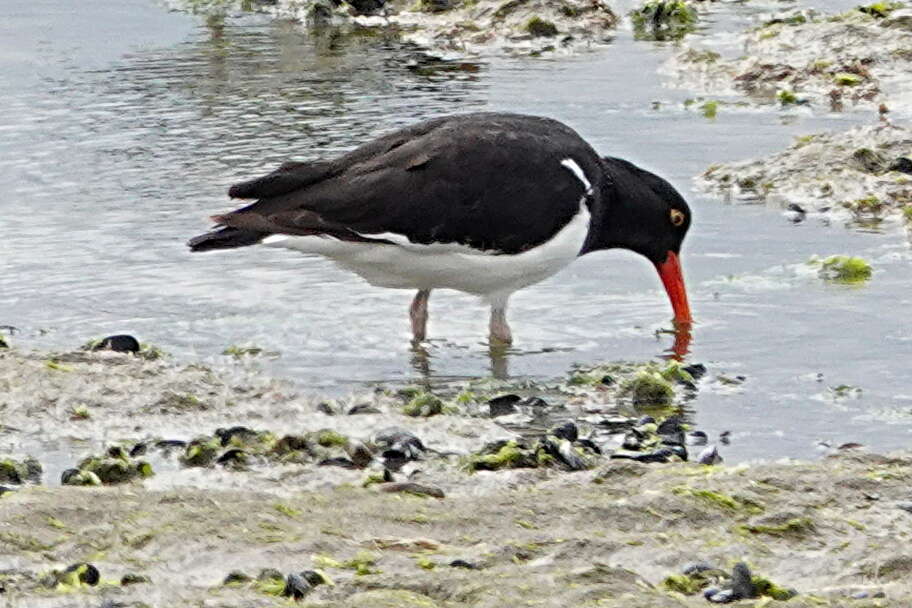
[642, 212]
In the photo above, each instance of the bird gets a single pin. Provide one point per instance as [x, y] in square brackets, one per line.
[486, 203]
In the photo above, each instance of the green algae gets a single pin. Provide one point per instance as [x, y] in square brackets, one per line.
[663, 20]
[238, 351]
[681, 583]
[540, 28]
[83, 478]
[787, 97]
[201, 452]
[648, 388]
[505, 455]
[767, 588]
[113, 470]
[719, 500]
[18, 472]
[796, 526]
[709, 109]
[423, 405]
[879, 10]
[847, 79]
[844, 269]
[328, 438]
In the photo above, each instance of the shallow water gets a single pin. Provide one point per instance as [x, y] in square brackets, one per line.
[116, 146]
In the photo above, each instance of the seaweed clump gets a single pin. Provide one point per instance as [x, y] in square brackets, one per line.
[115, 467]
[540, 28]
[844, 269]
[20, 471]
[548, 451]
[663, 20]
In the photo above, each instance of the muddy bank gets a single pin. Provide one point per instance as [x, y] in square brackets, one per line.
[830, 531]
[861, 177]
[832, 62]
[479, 494]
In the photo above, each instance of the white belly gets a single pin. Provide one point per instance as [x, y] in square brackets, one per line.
[406, 265]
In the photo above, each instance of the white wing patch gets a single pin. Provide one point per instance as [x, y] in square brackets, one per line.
[571, 164]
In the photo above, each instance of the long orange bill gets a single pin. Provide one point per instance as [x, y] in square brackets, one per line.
[673, 280]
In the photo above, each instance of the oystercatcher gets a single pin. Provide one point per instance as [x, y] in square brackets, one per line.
[485, 203]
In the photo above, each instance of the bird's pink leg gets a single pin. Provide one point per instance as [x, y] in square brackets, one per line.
[500, 329]
[418, 312]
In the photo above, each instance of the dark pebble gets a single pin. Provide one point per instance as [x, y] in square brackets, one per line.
[359, 453]
[645, 420]
[901, 164]
[119, 344]
[345, 463]
[133, 579]
[68, 475]
[116, 451]
[905, 506]
[236, 576]
[233, 456]
[170, 444]
[725, 437]
[670, 426]
[461, 563]
[268, 574]
[241, 432]
[589, 444]
[90, 576]
[567, 431]
[395, 438]
[607, 380]
[409, 487]
[741, 585]
[661, 455]
[326, 408]
[710, 455]
[313, 577]
[139, 449]
[796, 208]
[725, 596]
[363, 408]
[296, 586]
[697, 438]
[504, 405]
[696, 370]
[366, 7]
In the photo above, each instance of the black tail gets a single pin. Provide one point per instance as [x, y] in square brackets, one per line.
[225, 238]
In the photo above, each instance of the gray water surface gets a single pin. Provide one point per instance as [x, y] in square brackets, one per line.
[122, 125]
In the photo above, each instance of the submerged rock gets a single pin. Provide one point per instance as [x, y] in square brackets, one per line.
[821, 173]
[20, 471]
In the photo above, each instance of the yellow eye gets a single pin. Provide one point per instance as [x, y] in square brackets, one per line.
[677, 217]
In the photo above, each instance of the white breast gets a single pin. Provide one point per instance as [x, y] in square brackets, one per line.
[407, 265]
